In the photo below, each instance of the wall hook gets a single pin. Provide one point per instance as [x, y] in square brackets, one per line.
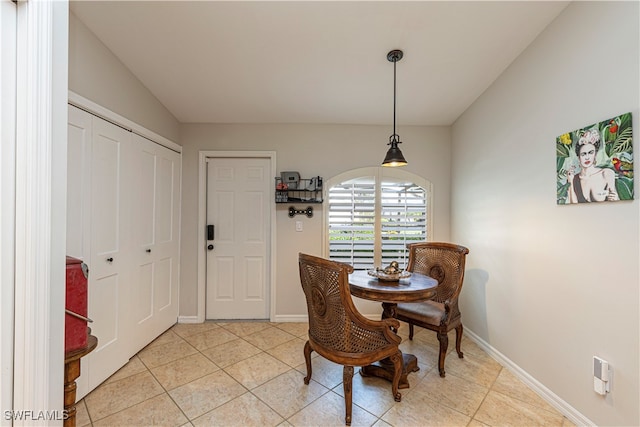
[293, 212]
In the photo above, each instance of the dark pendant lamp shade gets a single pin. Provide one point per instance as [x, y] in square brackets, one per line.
[394, 156]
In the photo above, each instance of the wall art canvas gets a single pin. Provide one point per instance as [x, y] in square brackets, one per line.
[595, 163]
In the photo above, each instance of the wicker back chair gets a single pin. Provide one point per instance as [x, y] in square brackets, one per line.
[445, 263]
[337, 331]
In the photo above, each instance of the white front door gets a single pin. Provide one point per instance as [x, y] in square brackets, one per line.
[239, 192]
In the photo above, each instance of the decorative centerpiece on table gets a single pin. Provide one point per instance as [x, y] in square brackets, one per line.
[391, 273]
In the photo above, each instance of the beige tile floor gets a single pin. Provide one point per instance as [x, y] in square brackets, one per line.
[251, 374]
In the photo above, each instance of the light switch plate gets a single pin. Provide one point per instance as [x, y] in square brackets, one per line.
[600, 368]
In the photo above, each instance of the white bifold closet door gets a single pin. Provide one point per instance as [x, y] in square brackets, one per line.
[123, 221]
[110, 225]
[96, 225]
[155, 211]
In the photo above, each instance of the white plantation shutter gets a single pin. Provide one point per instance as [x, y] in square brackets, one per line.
[352, 211]
[370, 220]
[403, 219]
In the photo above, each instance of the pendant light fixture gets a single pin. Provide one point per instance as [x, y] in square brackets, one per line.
[394, 156]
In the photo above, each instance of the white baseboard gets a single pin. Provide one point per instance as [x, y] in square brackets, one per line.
[291, 318]
[277, 319]
[550, 397]
[188, 319]
[304, 318]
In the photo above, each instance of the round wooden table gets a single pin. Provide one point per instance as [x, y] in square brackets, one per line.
[417, 287]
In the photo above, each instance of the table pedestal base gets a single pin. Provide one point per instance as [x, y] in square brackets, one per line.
[71, 372]
[384, 369]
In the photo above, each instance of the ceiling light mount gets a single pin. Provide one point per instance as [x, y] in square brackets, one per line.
[394, 156]
[395, 55]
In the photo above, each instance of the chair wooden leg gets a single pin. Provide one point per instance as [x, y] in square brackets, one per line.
[458, 341]
[347, 379]
[398, 363]
[307, 359]
[410, 331]
[444, 344]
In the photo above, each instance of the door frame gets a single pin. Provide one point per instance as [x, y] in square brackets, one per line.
[202, 223]
[40, 186]
[8, 72]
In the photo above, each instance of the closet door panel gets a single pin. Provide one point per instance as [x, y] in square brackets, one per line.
[142, 290]
[163, 298]
[107, 205]
[165, 199]
[79, 131]
[167, 225]
[155, 249]
[79, 135]
[108, 278]
[143, 248]
[145, 198]
[167, 233]
[106, 328]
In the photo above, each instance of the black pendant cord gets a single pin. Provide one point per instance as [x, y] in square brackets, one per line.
[395, 137]
[394, 99]
[394, 156]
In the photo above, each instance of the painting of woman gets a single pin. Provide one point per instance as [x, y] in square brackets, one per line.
[592, 183]
[595, 163]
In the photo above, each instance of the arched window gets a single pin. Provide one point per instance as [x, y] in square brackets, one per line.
[372, 213]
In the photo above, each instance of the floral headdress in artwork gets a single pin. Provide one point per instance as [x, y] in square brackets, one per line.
[590, 136]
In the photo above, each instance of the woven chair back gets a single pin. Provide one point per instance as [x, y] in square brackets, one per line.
[442, 261]
[332, 315]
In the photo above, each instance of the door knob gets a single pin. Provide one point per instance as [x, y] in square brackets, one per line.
[148, 251]
[109, 259]
[210, 247]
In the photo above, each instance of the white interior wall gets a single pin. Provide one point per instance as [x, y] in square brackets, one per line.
[98, 75]
[552, 286]
[312, 150]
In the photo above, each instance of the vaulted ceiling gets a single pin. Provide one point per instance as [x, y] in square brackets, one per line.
[316, 61]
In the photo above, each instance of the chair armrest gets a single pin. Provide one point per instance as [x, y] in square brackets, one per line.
[447, 313]
[392, 323]
[392, 326]
[383, 325]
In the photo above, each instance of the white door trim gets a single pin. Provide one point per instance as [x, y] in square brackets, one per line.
[104, 113]
[40, 206]
[8, 12]
[202, 222]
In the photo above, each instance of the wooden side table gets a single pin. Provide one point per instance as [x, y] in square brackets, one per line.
[71, 372]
